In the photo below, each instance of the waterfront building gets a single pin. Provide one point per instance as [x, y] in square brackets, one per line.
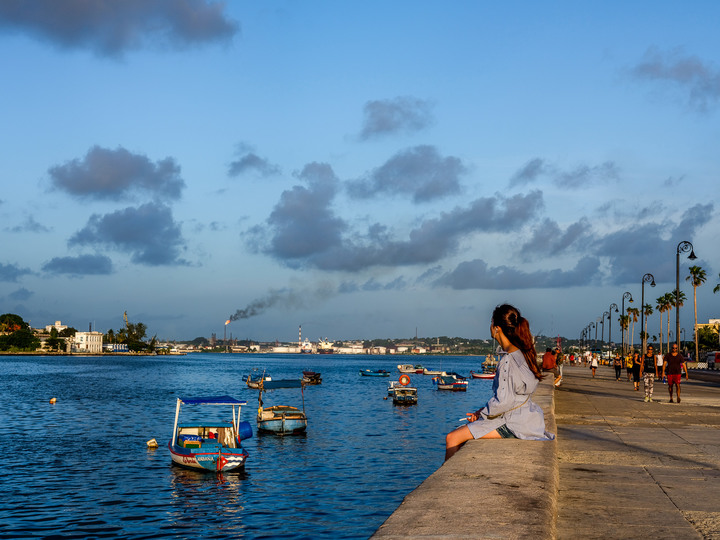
[87, 342]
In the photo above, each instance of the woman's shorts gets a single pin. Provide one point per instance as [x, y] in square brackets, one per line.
[505, 432]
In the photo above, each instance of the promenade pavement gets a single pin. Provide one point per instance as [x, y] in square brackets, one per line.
[631, 469]
[619, 468]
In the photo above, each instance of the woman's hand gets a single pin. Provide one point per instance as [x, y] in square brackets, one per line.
[472, 416]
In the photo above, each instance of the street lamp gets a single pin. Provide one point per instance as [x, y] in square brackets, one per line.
[629, 297]
[593, 325]
[613, 305]
[682, 247]
[647, 278]
[602, 333]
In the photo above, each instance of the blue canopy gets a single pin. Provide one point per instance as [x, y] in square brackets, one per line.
[212, 400]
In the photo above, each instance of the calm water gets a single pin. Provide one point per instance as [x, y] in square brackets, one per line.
[81, 468]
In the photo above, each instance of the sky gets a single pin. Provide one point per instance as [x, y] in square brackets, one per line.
[361, 169]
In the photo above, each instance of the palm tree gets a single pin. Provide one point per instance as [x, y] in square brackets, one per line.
[634, 312]
[717, 287]
[624, 323]
[647, 311]
[662, 306]
[669, 300]
[697, 277]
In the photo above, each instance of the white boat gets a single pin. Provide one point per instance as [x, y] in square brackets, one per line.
[409, 368]
[306, 347]
[325, 347]
[432, 371]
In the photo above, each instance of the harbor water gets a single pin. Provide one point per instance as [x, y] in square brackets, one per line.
[81, 468]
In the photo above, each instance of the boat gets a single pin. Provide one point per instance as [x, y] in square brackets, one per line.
[483, 375]
[432, 371]
[281, 419]
[210, 445]
[488, 369]
[325, 347]
[254, 378]
[409, 368]
[405, 395]
[449, 382]
[306, 347]
[402, 393]
[374, 373]
[311, 377]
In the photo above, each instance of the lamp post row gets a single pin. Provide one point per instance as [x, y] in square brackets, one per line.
[682, 247]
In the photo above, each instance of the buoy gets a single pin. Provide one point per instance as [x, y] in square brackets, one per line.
[52, 401]
[152, 443]
[404, 380]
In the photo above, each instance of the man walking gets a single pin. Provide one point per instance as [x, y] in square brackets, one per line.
[673, 365]
[650, 372]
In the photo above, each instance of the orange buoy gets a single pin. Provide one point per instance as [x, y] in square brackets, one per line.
[404, 380]
[53, 400]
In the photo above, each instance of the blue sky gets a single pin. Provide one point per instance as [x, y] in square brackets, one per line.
[363, 169]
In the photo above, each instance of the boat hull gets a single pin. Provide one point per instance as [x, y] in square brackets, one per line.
[369, 373]
[221, 460]
[482, 375]
[282, 420]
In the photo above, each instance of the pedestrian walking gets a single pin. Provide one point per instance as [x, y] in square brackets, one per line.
[636, 369]
[594, 364]
[629, 365]
[650, 373]
[617, 364]
[673, 366]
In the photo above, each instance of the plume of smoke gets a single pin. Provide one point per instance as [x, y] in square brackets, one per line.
[290, 298]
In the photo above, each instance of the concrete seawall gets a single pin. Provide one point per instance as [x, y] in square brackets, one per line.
[504, 488]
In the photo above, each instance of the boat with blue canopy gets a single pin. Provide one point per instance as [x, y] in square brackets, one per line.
[211, 444]
[281, 419]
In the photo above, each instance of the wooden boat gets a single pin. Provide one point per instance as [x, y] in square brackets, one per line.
[210, 445]
[449, 382]
[311, 377]
[254, 378]
[402, 393]
[374, 373]
[476, 375]
[409, 368]
[281, 419]
[405, 395]
[432, 371]
[488, 369]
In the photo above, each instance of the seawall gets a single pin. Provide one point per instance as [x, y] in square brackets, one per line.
[487, 489]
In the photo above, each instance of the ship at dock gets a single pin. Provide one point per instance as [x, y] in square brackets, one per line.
[325, 347]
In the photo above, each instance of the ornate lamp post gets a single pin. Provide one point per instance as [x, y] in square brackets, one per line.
[647, 278]
[610, 309]
[629, 297]
[602, 331]
[593, 325]
[682, 247]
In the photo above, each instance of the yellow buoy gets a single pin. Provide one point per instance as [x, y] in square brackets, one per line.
[53, 400]
[152, 443]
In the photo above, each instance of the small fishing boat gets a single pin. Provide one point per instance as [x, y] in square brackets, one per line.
[374, 373]
[311, 377]
[405, 395]
[281, 419]
[402, 393]
[488, 369]
[254, 378]
[210, 445]
[432, 371]
[449, 382]
[409, 368]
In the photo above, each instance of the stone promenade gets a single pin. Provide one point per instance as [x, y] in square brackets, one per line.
[630, 469]
[619, 468]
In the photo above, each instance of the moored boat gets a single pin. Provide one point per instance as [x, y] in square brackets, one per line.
[281, 419]
[374, 373]
[427, 371]
[306, 347]
[409, 368]
[325, 347]
[311, 377]
[210, 445]
[402, 393]
[255, 377]
[449, 382]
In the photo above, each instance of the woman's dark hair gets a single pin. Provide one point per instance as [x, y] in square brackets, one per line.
[517, 329]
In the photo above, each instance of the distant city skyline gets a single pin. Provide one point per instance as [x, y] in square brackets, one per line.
[361, 169]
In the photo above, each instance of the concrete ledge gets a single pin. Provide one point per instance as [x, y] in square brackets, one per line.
[489, 489]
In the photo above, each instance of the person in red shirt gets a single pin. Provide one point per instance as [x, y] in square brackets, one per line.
[673, 366]
[549, 363]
